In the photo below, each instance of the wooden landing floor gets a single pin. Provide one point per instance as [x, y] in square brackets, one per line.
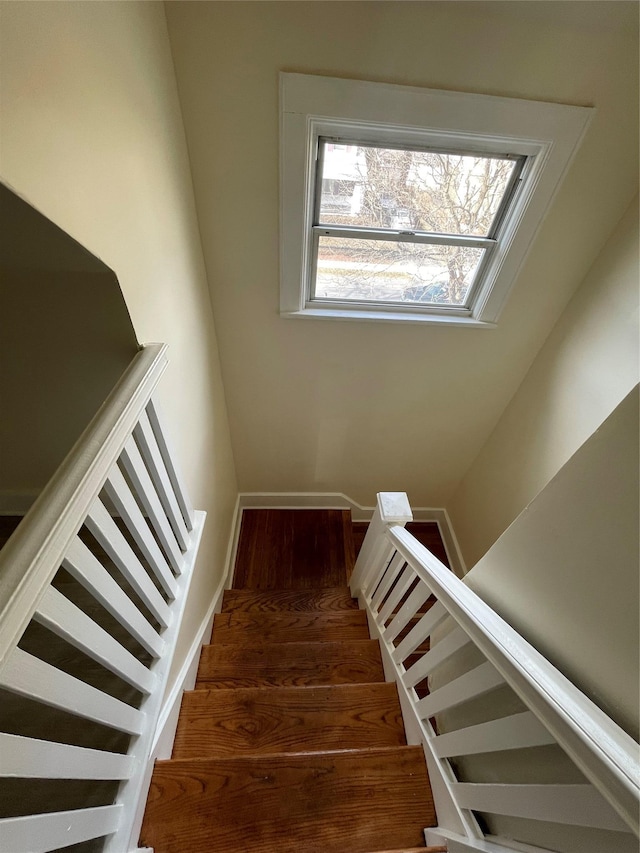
[308, 549]
[426, 532]
[294, 549]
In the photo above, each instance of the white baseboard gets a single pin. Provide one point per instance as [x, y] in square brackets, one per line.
[165, 732]
[304, 500]
[338, 500]
[126, 836]
[232, 547]
[452, 546]
[168, 719]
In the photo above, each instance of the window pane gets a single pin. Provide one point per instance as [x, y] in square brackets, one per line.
[411, 190]
[386, 271]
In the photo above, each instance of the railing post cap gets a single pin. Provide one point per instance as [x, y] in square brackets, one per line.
[394, 507]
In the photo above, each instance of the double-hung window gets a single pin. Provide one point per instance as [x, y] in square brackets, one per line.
[406, 226]
[400, 203]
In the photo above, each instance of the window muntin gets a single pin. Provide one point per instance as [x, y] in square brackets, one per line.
[403, 225]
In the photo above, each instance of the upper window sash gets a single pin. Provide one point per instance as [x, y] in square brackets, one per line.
[352, 144]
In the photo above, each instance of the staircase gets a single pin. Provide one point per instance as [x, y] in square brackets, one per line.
[292, 741]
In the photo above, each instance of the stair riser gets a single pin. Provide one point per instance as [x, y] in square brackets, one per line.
[297, 601]
[316, 634]
[313, 627]
[290, 665]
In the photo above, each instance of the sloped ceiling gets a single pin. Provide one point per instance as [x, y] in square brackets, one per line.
[362, 407]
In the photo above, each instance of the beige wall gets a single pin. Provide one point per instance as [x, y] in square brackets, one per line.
[365, 407]
[585, 368]
[565, 573]
[62, 349]
[65, 339]
[92, 135]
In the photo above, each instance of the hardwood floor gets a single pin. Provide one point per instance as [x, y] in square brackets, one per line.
[426, 532]
[291, 740]
[294, 549]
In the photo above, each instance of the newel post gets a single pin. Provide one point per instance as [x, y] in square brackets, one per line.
[391, 508]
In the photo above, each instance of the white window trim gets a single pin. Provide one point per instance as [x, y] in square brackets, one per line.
[313, 106]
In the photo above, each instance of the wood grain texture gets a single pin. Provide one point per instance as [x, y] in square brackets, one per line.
[275, 601]
[292, 740]
[426, 532]
[307, 627]
[288, 719]
[293, 549]
[375, 799]
[290, 664]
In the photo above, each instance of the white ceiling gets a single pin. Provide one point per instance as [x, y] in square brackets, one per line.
[360, 407]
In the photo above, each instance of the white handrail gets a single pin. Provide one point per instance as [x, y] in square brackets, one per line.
[392, 561]
[605, 753]
[114, 576]
[33, 554]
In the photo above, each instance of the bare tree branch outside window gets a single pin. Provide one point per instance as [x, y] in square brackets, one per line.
[403, 190]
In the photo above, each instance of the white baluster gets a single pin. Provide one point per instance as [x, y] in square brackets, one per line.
[392, 508]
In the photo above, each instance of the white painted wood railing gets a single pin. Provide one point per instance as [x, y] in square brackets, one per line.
[413, 601]
[97, 572]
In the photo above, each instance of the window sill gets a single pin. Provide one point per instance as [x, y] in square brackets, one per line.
[359, 315]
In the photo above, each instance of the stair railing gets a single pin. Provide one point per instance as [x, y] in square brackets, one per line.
[116, 522]
[396, 580]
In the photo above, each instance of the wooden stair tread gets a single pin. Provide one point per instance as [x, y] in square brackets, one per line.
[276, 601]
[290, 664]
[288, 719]
[376, 798]
[290, 627]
